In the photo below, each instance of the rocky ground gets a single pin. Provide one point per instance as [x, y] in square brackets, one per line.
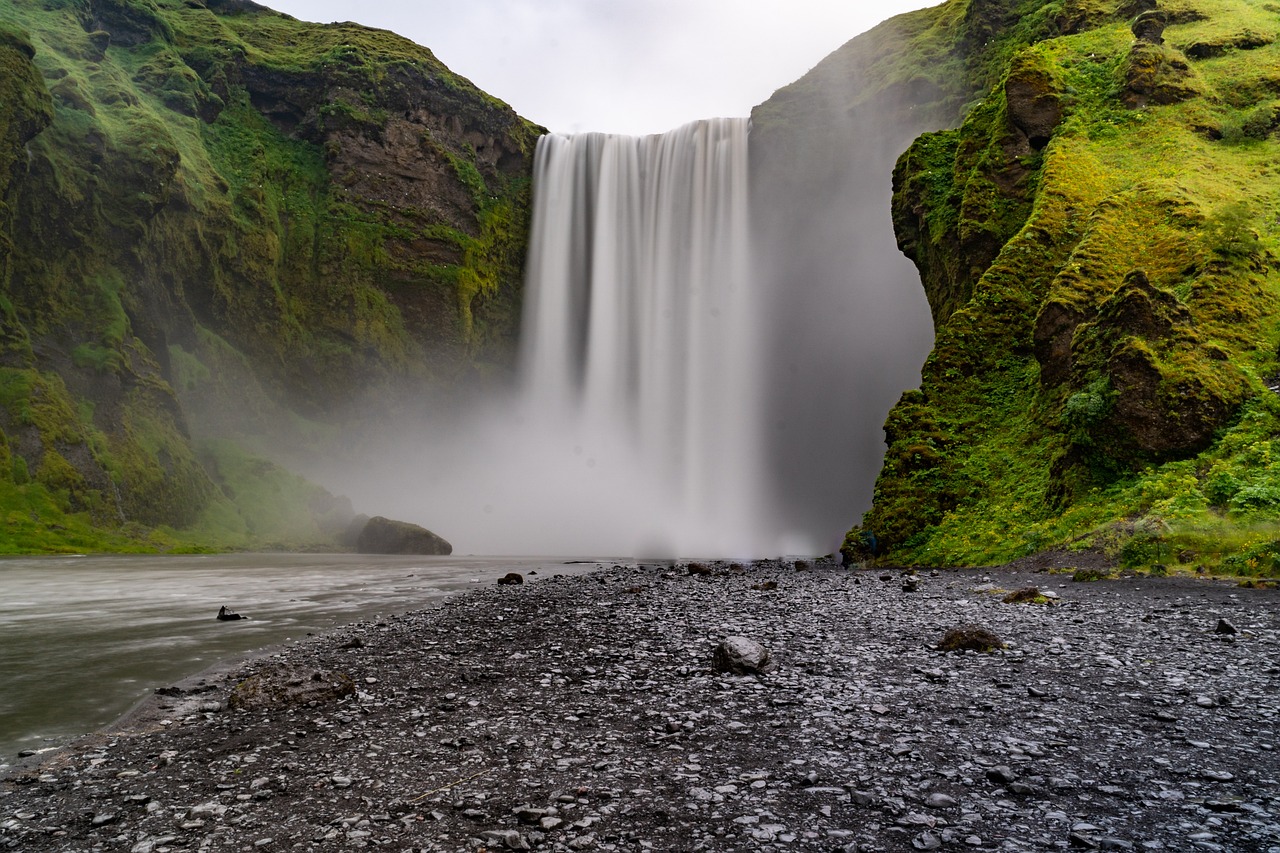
[583, 714]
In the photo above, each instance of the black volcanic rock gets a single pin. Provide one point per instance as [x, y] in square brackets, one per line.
[387, 536]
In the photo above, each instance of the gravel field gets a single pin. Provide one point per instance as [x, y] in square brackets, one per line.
[584, 713]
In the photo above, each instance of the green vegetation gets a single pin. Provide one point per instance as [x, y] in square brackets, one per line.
[1098, 244]
[224, 218]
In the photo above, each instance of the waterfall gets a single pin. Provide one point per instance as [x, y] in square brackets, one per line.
[637, 346]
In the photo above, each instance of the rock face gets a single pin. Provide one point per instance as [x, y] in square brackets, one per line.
[385, 536]
[1098, 323]
[821, 150]
[283, 214]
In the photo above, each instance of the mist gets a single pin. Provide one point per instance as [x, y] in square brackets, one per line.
[837, 329]
[570, 463]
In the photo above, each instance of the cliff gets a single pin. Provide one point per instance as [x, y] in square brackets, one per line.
[1097, 240]
[846, 315]
[218, 222]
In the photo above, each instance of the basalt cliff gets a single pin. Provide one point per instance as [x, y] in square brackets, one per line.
[1097, 235]
[220, 224]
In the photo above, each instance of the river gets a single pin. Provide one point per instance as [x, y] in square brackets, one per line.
[83, 639]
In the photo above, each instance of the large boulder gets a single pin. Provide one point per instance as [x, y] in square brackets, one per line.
[387, 536]
[741, 656]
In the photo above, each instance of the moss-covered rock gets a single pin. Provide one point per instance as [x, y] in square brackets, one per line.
[333, 207]
[388, 536]
[1107, 328]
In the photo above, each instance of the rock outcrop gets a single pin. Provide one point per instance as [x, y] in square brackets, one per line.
[387, 536]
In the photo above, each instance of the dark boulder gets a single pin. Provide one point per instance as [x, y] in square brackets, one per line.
[511, 579]
[385, 536]
[972, 638]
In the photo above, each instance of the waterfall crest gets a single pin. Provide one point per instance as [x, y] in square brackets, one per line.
[637, 346]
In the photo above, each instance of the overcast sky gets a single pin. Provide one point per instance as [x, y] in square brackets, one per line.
[620, 66]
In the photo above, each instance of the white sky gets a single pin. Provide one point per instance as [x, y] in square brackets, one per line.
[620, 66]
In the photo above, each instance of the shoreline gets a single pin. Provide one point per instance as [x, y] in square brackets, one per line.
[89, 638]
[580, 712]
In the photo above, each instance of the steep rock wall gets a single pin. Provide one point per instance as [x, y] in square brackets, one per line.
[219, 218]
[845, 313]
[1098, 247]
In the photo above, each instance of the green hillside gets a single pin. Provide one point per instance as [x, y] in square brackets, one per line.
[1098, 242]
[219, 222]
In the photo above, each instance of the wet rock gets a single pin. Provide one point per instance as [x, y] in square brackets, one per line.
[511, 579]
[1225, 627]
[1002, 775]
[508, 838]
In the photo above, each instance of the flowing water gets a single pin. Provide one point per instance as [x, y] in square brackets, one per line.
[682, 392]
[639, 320]
[82, 639]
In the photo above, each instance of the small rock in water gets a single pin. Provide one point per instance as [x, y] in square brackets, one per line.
[1225, 627]
[511, 579]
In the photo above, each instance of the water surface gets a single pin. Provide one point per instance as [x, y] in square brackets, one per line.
[83, 639]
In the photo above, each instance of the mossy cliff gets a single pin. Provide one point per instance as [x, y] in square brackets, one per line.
[1098, 242]
[214, 216]
[847, 319]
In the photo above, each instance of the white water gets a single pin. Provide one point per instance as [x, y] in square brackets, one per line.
[637, 333]
[650, 352]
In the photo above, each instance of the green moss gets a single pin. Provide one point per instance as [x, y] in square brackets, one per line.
[1077, 407]
[266, 506]
[179, 200]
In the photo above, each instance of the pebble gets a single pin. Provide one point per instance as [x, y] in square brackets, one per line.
[571, 714]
